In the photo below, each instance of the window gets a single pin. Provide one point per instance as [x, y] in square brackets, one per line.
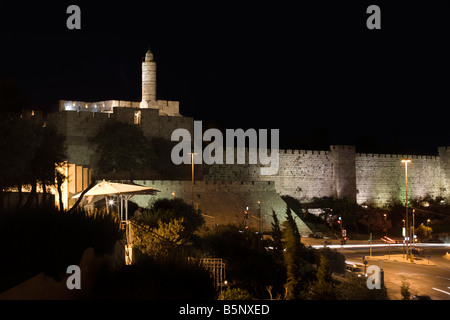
[137, 117]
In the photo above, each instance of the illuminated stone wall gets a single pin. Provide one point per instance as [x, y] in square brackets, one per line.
[381, 178]
[225, 201]
[344, 167]
[164, 107]
[373, 179]
[302, 174]
[444, 158]
[79, 127]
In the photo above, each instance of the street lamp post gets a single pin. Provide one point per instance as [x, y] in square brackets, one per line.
[260, 216]
[413, 227]
[404, 235]
[406, 161]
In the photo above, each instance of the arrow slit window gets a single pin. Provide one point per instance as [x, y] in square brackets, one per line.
[137, 117]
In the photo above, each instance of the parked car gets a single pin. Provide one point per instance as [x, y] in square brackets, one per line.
[355, 268]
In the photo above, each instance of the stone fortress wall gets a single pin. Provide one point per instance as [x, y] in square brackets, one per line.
[373, 179]
[164, 107]
[366, 178]
[79, 126]
[381, 177]
[224, 202]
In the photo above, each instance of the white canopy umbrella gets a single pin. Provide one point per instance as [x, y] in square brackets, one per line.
[109, 188]
[123, 190]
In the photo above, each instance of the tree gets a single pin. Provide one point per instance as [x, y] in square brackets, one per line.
[322, 289]
[292, 257]
[31, 154]
[355, 288]
[404, 290]
[122, 147]
[166, 210]
[277, 236]
[19, 140]
[161, 240]
[249, 265]
[342, 207]
[423, 232]
[60, 178]
[336, 260]
[49, 154]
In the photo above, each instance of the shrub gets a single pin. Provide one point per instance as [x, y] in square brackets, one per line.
[236, 294]
[355, 288]
[161, 240]
[404, 290]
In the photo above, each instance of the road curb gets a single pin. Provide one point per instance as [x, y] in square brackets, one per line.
[424, 263]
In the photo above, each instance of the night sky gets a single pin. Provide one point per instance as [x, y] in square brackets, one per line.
[313, 71]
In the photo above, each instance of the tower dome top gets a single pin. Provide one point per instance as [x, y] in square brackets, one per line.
[149, 56]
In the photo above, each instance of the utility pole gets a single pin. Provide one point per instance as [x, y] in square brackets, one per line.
[413, 226]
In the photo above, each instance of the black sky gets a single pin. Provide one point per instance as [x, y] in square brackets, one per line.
[302, 68]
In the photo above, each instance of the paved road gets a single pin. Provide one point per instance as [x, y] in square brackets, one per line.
[425, 279]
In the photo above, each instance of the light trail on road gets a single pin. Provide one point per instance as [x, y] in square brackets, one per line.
[441, 291]
[379, 245]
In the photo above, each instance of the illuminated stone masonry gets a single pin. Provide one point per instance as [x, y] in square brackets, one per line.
[223, 202]
[79, 126]
[372, 179]
[164, 107]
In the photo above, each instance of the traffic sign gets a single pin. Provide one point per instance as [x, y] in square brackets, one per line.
[344, 233]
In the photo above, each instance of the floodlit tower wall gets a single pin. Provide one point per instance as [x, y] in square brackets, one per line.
[148, 78]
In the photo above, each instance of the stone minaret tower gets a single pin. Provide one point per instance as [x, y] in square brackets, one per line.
[148, 79]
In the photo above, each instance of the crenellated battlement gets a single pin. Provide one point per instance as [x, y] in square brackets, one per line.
[397, 156]
[164, 107]
[370, 178]
[303, 152]
[342, 147]
[260, 185]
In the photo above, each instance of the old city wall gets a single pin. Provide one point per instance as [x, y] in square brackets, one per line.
[224, 202]
[374, 179]
[381, 179]
[302, 174]
[164, 107]
[444, 160]
[79, 127]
